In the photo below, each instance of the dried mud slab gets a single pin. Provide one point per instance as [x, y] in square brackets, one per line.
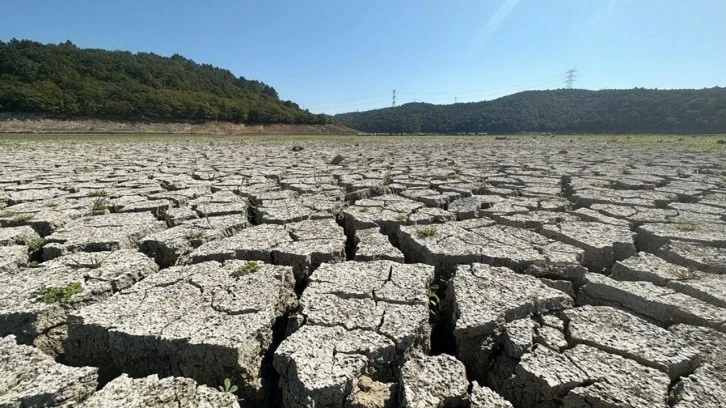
[621, 333]
[485, 397]
[153, 392]
[707, 287]
[437, 381]
[371, 245]
[175, 322]
[13, 258]
[101, 233]
[35, 303]
[360, 318]
[706, 386]
[658, 304]
[484, 241]
[30, 378]
[303, 245]
[17, 235]
[484, 299]
[173, 246]
[652, 237]
[582, 376]
[704, 258]
[603, 244]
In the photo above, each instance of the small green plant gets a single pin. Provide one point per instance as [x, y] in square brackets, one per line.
[98, 193]
[195, 235]
[99, 206]
[387, 178]
[228, 386]
[247, 269]
[95, 262]
[23, 217]
[434, 301]
[34, 244]
[598, 183]
[684, 274]
[427, 231]
[59, 294]
[688, 227]
[454, 176]
[401, 218]
[33, 264]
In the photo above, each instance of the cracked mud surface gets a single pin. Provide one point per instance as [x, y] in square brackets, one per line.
[523, 272]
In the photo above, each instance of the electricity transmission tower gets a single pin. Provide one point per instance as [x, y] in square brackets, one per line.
[393, 104]
[570, 78]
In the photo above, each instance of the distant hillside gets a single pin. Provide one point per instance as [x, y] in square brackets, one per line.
[564, 110]
[66, 81]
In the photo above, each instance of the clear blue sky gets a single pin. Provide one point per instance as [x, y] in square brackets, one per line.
[337, 55]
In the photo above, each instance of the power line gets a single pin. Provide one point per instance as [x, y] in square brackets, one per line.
[570, 78]
[510, 86]
[374, 102]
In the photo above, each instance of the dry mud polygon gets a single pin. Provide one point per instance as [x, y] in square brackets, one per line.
[401, 272]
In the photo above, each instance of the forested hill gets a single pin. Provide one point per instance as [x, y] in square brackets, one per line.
[565, 110]
[66, 81]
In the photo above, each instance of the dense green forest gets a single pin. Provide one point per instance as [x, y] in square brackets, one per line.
[564, 110]
[66, 81]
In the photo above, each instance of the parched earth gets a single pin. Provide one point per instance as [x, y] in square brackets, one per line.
[402, 272]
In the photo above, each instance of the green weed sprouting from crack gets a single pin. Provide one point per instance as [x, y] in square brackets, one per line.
[248, 268]
[228, 387]
[98, 193]
[434, 302]
[34, 244]
[194, 235]
[23, 217]
[387, 178]
[688, 227]
[401, 218]
[59, 294]
[99, 206]
[427, 231]
[684, 275]
[598, 183]
[94, 262]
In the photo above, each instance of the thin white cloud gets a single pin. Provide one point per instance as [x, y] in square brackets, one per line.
[496, 20]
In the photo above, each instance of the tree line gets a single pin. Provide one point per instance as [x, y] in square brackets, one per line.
[66, 81]
[564, 110]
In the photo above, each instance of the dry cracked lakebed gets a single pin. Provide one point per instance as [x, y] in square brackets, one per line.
[361, 272]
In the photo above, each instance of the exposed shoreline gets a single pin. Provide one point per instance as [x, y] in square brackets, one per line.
[39, 124]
